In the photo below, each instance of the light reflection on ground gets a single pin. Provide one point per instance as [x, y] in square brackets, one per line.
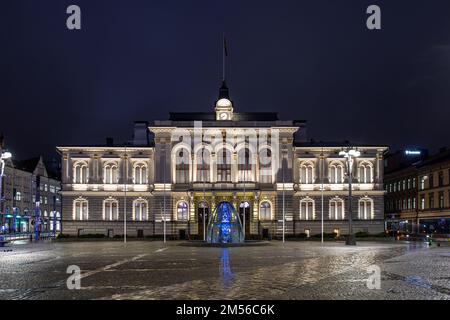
[294, 270]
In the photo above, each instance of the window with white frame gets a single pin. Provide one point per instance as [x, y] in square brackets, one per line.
[336, 209]
[80, 209]
[265, 211]
[307, 208]
[244, 165]
[265, 166]
[182, 166]
[224, 165]
[365, 208]
[110, 175]
[307, 173]
[140, 210]
[182, 211]
[110, 209]
[140, 173]
[203, 165]
[80, 172]
[336, 170]
[365, 172]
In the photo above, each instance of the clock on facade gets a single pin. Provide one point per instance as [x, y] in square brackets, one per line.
[223, 116]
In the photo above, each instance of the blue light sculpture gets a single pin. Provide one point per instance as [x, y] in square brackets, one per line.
[225, 225]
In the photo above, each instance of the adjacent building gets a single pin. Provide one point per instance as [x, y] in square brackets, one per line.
[418, 192]
[434, 193]
[31, 196]
[173, 173]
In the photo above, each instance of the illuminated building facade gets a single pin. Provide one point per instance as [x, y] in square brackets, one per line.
[177, 170]
[31, 193]
[418, 193]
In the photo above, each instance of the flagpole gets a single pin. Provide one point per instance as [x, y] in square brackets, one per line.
[224, 54]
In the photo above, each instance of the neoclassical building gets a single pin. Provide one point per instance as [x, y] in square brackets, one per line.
[174, 172]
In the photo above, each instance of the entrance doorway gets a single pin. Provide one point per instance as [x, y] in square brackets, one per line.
[244, 207]
[203, 209]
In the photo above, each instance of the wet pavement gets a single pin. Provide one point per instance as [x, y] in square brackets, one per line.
[294, 270]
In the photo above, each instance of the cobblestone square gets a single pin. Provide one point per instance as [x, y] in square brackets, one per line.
[293, 270]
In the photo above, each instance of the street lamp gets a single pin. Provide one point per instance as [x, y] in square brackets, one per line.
[349, 155]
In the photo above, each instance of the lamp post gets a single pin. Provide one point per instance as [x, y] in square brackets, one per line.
[283, 194]
[3, 156]
[350, 154]
[125, 186]
[164, 195]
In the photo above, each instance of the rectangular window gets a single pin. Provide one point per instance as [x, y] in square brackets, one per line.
[422, 202]
[441, 200]
[430, 180]
[441, 179]
[414, 202]
[414, 183]
[18, 196]
[422, 183]
[404, 185]
[431, 200]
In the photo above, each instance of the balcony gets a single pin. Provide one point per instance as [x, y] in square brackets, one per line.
[107, 187]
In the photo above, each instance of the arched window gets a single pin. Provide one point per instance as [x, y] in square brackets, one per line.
[365, 208]
[265, 211]
[306, 173]
[224, 165]
[140, 210]
[140, 173]
[80, 172]
[182, 211]
[182, 166]
[110, 209]
[203, 162]
[336, 209]
[365, 172]
[265, 166]
[244, 166]
[80, 209]
[110, 173]
[307, 209]
[336, 172]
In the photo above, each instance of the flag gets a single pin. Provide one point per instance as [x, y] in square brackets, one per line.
[225, 48]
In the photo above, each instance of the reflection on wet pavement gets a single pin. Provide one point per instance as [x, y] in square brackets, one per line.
[294, 270]
[225, 270]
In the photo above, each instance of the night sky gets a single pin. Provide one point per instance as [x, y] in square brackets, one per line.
[139, 59]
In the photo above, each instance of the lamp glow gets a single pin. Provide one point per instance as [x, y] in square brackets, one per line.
[6, 155]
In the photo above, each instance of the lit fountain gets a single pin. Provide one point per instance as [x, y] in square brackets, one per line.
[225, 226]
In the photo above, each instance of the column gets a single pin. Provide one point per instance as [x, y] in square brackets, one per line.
[234, 174]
